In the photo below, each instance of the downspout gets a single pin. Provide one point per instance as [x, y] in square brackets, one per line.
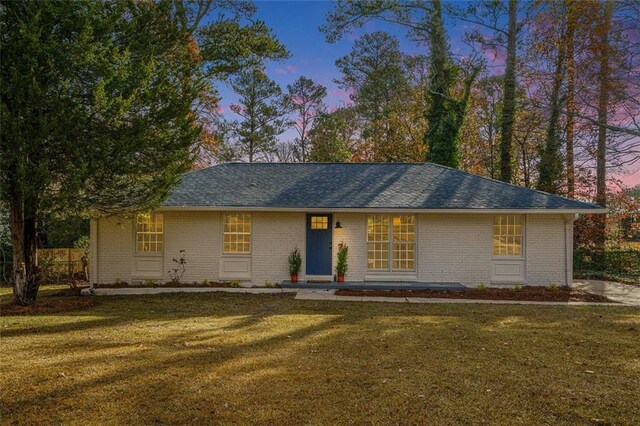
[93, 271]
[568, 272]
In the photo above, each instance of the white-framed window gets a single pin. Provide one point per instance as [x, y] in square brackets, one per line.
[508, 235]
[149, 233]
[391, 242]
[236, 238]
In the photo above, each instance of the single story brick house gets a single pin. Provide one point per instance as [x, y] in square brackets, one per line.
[402, 222]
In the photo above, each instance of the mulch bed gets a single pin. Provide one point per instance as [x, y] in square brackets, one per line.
[176, 285]
[527, 293]
[49, 305]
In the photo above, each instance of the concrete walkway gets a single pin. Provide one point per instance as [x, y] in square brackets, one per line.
[305, 294]
[623, 293]
[158, 290]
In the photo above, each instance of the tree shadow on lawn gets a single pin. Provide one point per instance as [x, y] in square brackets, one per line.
[181, 358]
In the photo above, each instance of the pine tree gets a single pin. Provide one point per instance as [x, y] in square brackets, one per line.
[262, 112]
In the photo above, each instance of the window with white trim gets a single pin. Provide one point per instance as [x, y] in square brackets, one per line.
[508, 235]
[237, 233]
[391, 243]
[149, 232]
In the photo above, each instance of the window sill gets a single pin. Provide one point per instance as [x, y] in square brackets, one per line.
[502, 258]
[391, 276]
[149, 254]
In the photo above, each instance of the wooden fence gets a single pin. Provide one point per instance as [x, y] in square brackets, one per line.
[55, 264]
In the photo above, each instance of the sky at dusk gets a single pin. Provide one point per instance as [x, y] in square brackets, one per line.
[296, 25]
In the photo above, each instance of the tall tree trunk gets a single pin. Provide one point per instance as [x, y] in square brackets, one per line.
[509, 98]
[437, 89]
[24, 245]
[550, 165]
[601, 177]
[571, 103]
[603, 101]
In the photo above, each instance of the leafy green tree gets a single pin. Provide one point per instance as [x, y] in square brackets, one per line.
[306, 99]
[423, 19]
[373, 73]
[263, 114]
[551, 160]
[381, 81]
[446, 113]
[331, 136]
[97, 105]
[500, 19]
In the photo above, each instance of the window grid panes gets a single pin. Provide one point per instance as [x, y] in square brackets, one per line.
[149, 232]
[237, 233]
[403, 242]
[507, 235]
[391, 243]
[319, 222]
[378, 242]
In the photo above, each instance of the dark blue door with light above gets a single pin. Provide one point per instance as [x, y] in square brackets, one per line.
[319, 244]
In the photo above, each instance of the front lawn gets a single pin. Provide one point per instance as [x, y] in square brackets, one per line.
[265, 359]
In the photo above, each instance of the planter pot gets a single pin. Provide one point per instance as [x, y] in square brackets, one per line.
[340, 278]
[294, 278]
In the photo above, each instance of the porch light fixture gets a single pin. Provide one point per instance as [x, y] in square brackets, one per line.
[338, 226]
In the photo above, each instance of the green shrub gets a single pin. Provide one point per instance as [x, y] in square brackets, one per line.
[342, 265]
[611, 262]
[481, 287]
[295, 262]
[234, 284]
[517, 287]
[552, 287]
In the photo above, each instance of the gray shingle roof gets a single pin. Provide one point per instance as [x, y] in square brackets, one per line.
[355, 185]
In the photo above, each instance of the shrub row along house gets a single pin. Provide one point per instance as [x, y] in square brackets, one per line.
[401, 222]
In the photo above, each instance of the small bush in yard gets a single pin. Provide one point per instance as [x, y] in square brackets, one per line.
[179, 268]
[481, 287]
[552, 287]
[517, 287]
[234, 284]
[149, 283]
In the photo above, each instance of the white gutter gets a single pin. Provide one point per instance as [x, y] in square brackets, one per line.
[387, 210]
[93, 244]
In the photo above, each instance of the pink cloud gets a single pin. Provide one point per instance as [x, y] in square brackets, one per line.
[287, 69]
[342, 95]
[496, 55]
[629, 180]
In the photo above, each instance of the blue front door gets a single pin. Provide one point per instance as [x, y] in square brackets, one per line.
[319, 244]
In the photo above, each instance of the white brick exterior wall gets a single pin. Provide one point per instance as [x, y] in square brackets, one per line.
[455, 247]
[449, 247]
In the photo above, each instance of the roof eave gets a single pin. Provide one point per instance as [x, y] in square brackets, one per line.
[390, 210]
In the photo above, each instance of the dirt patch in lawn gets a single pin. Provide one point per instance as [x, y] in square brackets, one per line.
[49, 305]
[532, 294]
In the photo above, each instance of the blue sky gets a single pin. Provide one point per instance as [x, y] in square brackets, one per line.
[295, 24]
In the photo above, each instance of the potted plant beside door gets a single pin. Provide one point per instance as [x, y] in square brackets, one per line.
[342, 265]
[295, 263]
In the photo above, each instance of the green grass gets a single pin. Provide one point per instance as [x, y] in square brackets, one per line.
[259, 359]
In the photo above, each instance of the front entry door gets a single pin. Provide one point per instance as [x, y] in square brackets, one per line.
[319, 244]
